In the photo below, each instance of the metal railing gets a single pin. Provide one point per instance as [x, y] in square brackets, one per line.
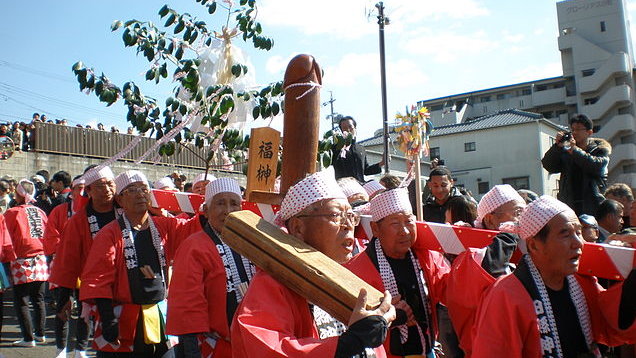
[92, 143]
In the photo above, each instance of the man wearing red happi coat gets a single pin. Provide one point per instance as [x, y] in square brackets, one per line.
[208, 281]
[416, 279]
[126, 273]
[274, 321]
[544, 308]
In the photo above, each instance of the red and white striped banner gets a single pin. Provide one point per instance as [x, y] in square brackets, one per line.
[600, 260]
[190, 203]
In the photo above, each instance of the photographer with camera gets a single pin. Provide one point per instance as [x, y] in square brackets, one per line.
[582, 162]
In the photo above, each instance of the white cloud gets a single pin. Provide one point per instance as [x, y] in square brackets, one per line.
[352, 68]
[512, 38]
[352, 19]
[445, 47]
[405, 73]
[276, 64]
[532, 73]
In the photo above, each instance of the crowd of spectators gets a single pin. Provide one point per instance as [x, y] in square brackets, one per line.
[23, 134]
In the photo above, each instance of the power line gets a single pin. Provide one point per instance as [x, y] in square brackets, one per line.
[34, 71]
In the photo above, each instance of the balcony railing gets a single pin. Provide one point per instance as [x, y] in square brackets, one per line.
[92, 143]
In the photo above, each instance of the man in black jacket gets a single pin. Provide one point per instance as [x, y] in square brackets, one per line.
[440, 184]
[582, 162]
[351, 160]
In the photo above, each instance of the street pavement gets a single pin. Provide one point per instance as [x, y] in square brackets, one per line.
[11, 333]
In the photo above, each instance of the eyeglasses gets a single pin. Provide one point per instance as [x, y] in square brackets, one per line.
[515, 212]
[340, 218]
[136, 189]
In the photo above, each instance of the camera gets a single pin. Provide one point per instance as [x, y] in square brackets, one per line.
[441, 162]
[566, 137]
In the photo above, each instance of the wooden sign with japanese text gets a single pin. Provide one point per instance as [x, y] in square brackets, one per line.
[263, 160]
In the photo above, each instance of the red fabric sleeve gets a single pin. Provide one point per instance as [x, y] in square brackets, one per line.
[6, 251]
[274, 322]
[72, 251]
[176, 230]
[54, 228]
[466, 285]
[189, 300]
[99, 273]
[24, 245]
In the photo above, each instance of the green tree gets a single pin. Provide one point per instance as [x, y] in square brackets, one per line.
[172, 49]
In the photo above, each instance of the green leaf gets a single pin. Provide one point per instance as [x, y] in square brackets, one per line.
[180, 26]
[326, 160]
[164, 11]
[170, 20]
[115, 25]
[179, 53]
[275, 108]
[78, 65]
[256, 111]
[212, 8]
[150, 74]
[236, 70]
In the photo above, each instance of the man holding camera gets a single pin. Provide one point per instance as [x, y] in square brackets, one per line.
[582, 162]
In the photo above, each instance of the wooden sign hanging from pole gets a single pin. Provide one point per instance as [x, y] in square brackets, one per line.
[262, 165]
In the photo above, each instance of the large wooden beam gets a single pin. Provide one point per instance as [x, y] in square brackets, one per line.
[307, 271]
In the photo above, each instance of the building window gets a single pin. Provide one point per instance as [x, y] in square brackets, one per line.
[526, 92]
[603, 26]
[484, 99]
[437, 107]
[434, 153]
[518, 182]
[540, 88]
[483, 187]
[470, 147]
[547, 115]
[590, 101]
[501, 96]
[588, 72]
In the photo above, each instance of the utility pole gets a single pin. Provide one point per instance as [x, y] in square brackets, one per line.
[332, 115]
[381, 22]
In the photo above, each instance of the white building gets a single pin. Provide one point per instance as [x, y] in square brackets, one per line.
[598, 80]
[501, 148]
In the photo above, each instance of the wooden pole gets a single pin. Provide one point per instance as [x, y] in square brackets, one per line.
[418, 188]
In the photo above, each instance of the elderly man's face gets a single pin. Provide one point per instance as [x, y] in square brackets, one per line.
[397, 233]
[219, 207]
[558, 255]
[135, 198]
[510, 211]
[199, 187]
[589, 233]
[101, 191]
[319, 226]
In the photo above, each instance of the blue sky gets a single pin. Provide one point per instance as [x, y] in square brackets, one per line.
[433, 48]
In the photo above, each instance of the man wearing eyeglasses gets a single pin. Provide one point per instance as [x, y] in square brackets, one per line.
[475, 270]
[274, 321]
[126, 273]
[75, 242]
[415, 280]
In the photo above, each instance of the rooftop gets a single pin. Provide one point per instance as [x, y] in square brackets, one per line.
[508, 117]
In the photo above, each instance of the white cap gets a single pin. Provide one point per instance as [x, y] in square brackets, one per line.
[164, 182]
[317, 186]
[494, 198]
[79, 181]
[128, 177]
[202, 177]
[372, 187]
[390, 202]
[350, 186]
[537, 215]
[37, 178]
[221, 185]
[94, 174]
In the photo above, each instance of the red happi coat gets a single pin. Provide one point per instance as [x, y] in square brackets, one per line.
[57, 221]
[75, 244]
[435, 271]
[275, 322]
[507, 324]
[105, 275]
[197, 301]
[26, 239]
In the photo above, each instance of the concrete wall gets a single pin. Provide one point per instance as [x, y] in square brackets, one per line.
[25, 164]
